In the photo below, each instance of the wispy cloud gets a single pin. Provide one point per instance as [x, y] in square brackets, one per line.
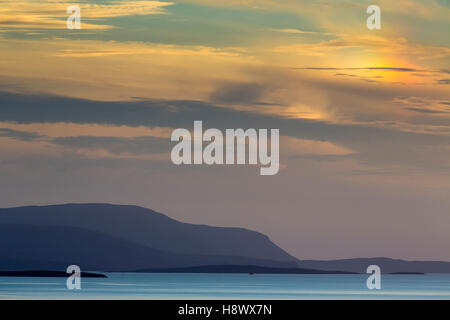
[51, 14]
[295, 31]
[368, 43]
[67, 129]
[399, 69]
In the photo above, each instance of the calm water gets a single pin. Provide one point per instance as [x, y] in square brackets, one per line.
[229, 286]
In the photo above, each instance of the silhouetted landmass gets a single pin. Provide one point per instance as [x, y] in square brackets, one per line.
[48, 274]
[103, 237]
[387, 265]
[241, 269]
[27, 247]
[408, 273]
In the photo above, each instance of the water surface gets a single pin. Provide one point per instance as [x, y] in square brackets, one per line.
[228, 286]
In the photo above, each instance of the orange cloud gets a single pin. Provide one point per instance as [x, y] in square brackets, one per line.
[51, 14]
[63, 129]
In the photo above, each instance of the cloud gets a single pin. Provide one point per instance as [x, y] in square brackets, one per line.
[415, 7]
[18, 135]
[90, 141]
[423, 105]
[399, 69]
[444, 81]
[123, 144]
[368, 44]
[51, 14]
[297, 147]
[295, 31]
[242, 93]
[390, 144]
[68, 129]
[83, 68]
[145, 49]
[422, 110]
[136, 146]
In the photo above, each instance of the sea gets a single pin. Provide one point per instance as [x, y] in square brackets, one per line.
[188, 286]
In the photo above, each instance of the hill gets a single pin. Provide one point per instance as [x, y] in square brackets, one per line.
[111, 237]
[387, 265]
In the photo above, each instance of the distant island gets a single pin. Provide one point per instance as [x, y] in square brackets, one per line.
[126, 238]
[242, 269]
[48, 274]
[387, 265]
[408, 273]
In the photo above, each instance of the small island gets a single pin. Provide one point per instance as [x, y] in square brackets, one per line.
[247, 269]
[48, 274]
[408, 273]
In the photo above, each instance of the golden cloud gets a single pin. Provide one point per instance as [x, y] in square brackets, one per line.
[367, 43]
[51, 14]
[63, 129]
[296, 146]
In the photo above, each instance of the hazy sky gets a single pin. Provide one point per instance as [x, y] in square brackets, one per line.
[364, 115]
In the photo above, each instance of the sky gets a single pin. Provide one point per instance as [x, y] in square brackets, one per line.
[364, 115]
